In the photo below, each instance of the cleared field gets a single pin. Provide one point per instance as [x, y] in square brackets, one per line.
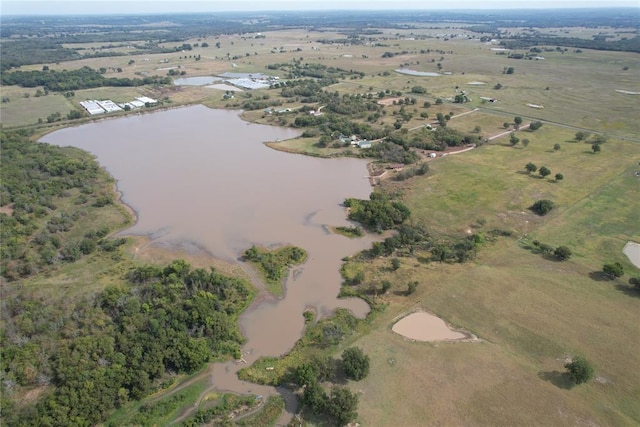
[22, 110]
[491, 183]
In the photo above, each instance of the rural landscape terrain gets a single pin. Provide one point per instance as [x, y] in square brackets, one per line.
[503, 154]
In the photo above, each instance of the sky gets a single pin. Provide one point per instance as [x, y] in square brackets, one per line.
[56, 7]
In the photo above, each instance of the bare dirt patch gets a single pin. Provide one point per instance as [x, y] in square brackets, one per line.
[632, 251]
[389, 101]
[7, 209]
[423, 326]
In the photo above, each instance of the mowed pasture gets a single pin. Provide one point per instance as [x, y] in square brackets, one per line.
[531, 311]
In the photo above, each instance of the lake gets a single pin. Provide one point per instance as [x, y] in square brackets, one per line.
[204, 176]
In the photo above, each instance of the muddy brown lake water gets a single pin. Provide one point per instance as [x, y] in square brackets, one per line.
[204, 176]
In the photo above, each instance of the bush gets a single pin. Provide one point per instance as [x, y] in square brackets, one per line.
[542, 207]
[580, 370]
[562, 253]
[613, 270]
[355, 363]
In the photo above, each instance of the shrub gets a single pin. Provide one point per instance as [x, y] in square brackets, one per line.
[580, 370]
[613, 270]
[562, 253]
[542, 207]
[355, 363]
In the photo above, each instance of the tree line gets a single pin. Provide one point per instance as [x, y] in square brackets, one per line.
[65, 80]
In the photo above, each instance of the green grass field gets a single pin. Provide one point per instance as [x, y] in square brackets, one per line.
[532, 312]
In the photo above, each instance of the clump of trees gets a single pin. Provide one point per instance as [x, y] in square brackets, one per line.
[275, 263]
[411, 172]
[579, 370]
[378, 213]
[562, 251]
[340, 404]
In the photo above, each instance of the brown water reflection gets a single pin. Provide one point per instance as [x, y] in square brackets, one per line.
[204, 176]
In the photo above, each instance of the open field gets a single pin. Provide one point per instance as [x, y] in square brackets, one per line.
[533, 312]
[22, 110]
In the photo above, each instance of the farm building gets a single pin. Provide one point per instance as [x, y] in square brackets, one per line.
[92, 107]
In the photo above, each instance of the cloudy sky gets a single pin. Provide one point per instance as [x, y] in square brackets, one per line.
[48, 7]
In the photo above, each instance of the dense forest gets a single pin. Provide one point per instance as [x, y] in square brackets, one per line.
[94, 355]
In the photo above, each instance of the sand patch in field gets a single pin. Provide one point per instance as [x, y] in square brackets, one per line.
[632, 251]
[423, 326]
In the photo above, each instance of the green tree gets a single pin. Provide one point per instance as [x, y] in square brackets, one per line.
[513, 139]
[341, 405]
[559, 177]
[306, 375]
[525, 142]
[386, 285]
[355, 363]
[562, 253]
[535, 126]
[595, 147]
[411, 287]
[580, 370]
[517, 120]
[542, 207]
[530, 167]
[581, 136]
[315, 398]
[613, 270]
[544, 171]
[395, 264]
[556, 147]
